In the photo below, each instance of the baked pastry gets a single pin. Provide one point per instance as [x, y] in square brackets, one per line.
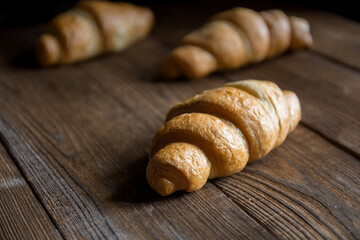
[92, 28]
[234, 38]
[215, 134]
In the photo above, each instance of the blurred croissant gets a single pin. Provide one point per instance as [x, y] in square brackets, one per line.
[235, 38]
[92, 28]
[215, 134]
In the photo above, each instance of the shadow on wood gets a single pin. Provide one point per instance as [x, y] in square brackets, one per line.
[134, 188]
[24, 60]
[160, 78]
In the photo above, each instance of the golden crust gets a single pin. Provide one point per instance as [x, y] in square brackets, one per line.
[178, 166]
[216, 132]
[239, 108]
[219, 38]
[223, 143]
[235, 38]
[92, 28]
[76, 35]
[254, 28]
[48, 49]
[294, 109]
[182, 59]
[280, 34]
[271, 96]
[135, 21]
[300, 33]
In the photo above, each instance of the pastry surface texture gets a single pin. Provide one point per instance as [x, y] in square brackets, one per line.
[215, 133]
[92, 28]
[234, 38]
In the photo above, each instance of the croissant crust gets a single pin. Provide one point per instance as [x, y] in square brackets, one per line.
[234, 38]
[216, 132]
[92, 28]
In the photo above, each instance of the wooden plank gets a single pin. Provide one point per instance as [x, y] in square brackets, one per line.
[81, 134]
[21, 214]
[335, 36]
[306, 182]
[329, 93]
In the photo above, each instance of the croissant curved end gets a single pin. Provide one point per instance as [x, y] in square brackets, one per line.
[177, 166]
[300, 33]
[294, 109]
[201, 142]
[48, 50]
[163, 186]
[190, 61]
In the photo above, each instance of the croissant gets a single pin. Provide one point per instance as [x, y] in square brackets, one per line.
[92, 28]
[235, 38]
[215, 134]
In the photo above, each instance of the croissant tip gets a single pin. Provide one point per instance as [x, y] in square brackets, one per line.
[309, 41]
[48, 50]
[164, 186]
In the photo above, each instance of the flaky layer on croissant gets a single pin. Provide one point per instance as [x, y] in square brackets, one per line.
[92, 28]
[235, 38]
[215, 134]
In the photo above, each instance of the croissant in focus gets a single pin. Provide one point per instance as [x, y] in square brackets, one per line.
[215, 134]
[92, 28]
[235, 38]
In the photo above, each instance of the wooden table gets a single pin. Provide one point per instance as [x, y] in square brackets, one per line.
[74, 142]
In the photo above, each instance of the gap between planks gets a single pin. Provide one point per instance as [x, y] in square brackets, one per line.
[334, 60]
[12, 157]
[5, 144]
[327, 139]
[332, 141]
[244, 210]
[308, 128]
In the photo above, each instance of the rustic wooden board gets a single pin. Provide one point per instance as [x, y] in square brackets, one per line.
[307, 182]
[80, 134]
[21, 214]
[335, 36]
[89, 139]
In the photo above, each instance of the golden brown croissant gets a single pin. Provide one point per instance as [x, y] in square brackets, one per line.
[235, 38]
[92, 28]
[215, 134]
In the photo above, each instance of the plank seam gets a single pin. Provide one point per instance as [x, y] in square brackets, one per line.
[250, 176]
[245, 211]
[332, 141]
[81, 200]
[333, 60]
[5, 144]
[75, 182]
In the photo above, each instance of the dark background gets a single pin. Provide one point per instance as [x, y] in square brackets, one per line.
[26, 13]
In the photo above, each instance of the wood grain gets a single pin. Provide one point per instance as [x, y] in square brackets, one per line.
[21, 214]
[80, 134]
[335, 36]
[87, 129]
[305, 182]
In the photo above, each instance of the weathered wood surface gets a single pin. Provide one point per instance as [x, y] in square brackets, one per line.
[21, 214]
[289, 188]
[336, 37]
[80, 135]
